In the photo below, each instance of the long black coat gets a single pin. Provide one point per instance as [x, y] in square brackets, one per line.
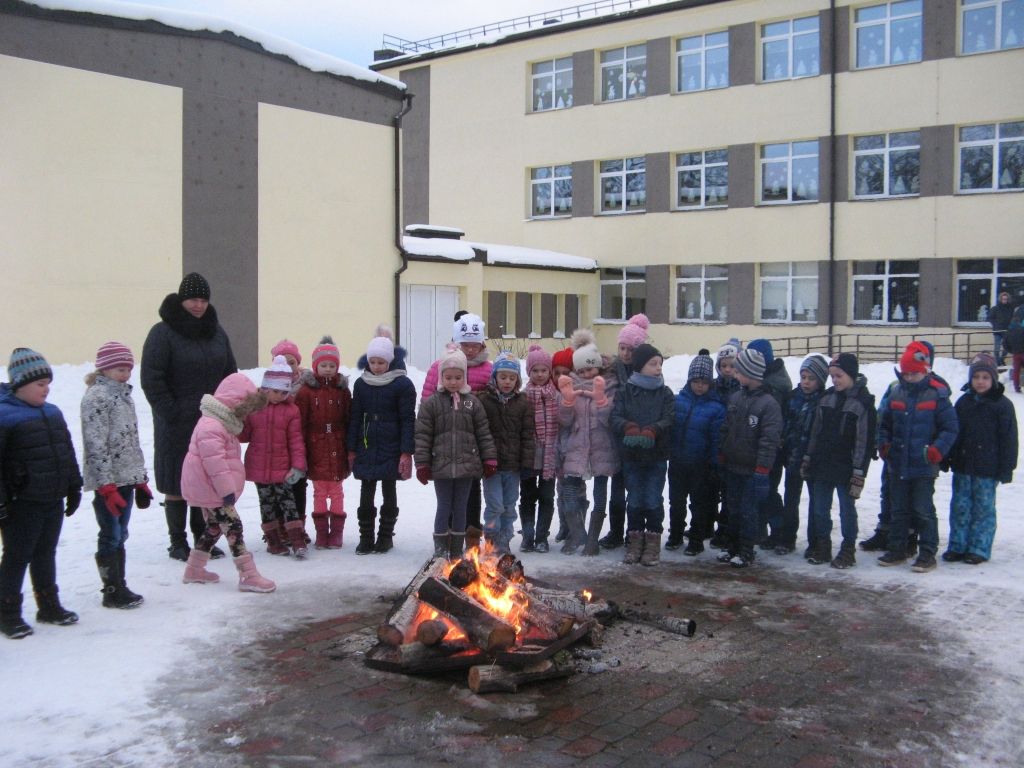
[986, 445]
[184, 358]
[381, 423]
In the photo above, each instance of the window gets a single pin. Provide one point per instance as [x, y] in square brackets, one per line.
[789, 292]
[887, 164]
[624, 73]
[552, 84]
[789, 172]
[623, 292]
[888, 33]
[702, 179]
[551, 191]
[702, 293]
[979, 283]
[624, 185]
[992, 157]
[991, 25]
[790, 49]
[702, 62]
[885, 291]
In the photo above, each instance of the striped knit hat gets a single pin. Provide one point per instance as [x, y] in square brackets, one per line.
[750, 363]
[278, 376]
[26, 366]
[113, 354]
[326, 350]
[818, 367]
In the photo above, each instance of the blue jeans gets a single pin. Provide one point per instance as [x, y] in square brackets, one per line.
[972, 515]
[821, 511]
[645, 495]
[452, 498]
[501, 493]
[743, 511]
[113, 530]
[911, 505]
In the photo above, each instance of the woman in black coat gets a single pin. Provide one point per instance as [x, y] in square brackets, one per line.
[186, 355]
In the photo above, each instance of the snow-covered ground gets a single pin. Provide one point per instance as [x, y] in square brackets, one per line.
[92, 693]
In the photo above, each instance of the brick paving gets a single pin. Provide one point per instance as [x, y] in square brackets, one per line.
[783, 672]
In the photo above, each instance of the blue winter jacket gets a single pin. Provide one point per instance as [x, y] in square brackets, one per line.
[914, 417]
[696, 429]
[382, 422]
[799, 417]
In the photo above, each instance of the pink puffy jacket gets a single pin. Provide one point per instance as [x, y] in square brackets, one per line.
[275, 443]
[213, 467]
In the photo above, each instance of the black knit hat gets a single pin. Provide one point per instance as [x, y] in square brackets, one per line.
[642, 354]
[194, 286]
[847, 363]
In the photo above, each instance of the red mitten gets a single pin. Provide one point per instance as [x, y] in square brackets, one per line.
[600, 400]
[424, 475]
[405, 466]
[490, 468]
[568, 393]
[113, 500]
[932, 454]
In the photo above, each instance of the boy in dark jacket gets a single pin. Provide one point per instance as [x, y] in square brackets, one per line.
[642, 417]
[984, 455]
[917, 429]
[725, 384]
[510, 417]
[838, 454]
[751, 435]
[802, 403]
[776, 381]
[40, 484]
[695, 432]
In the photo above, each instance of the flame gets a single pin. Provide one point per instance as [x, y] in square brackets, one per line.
[504, 604]
[587, 595]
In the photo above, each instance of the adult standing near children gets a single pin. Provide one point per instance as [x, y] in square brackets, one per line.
[186, 355]
[999, 315]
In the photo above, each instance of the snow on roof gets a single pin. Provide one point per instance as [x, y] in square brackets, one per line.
[316, 61]
[462, 250]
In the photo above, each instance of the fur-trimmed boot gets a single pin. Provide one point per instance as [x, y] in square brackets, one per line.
[195, 569]
[366, 517]
[652, 549]
[335, 536]
[296, 537]
[634, 547]
[50, 610]
[272, 535]
[113, 597]
[322, 527]
[386, 534]
[11, 623]
[249, 579]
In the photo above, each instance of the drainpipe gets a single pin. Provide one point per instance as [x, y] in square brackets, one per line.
[406, 106]
[832, 180]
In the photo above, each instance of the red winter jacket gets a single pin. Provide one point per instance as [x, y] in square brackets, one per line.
[275, 443]
[325, 404]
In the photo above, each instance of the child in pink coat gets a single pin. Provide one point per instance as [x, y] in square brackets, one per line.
[276, 461]
[213, 477]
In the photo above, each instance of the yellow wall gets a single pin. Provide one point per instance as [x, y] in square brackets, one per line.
[90, 208]
[326, 230]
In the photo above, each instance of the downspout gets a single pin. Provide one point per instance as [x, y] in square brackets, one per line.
[406, 106]
[832, 179]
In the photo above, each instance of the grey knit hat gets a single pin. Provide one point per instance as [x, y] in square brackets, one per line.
[818, 366]
[750, 363]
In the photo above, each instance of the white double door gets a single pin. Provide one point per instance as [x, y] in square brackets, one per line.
[427, 317]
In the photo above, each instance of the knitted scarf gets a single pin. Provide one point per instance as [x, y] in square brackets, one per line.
[382, 379]
[545, 419]
[215, 409]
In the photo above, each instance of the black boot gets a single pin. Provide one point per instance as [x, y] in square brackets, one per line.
[616, 527]
[50, 610]
[386, 534]
[197, 523]
[593, 542]
[175, 511]
[110, 574]
[11, 623]
[528, 516]
[366, 517]
[878, 542]
[820, 552]
[847, 557]
[124, 586]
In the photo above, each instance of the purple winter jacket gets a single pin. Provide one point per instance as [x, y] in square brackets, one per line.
[586, 443]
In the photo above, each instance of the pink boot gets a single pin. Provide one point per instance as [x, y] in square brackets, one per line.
[272, 535]
[296, 537]
[334, 539]
[195, 569]
[322, 526]
[249, 579]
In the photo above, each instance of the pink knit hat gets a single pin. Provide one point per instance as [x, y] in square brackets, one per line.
[634, 332]
[537, 356]
[326, 350]
[286, 347]
[113, 354]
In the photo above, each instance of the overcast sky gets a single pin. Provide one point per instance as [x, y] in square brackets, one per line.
[352, 29]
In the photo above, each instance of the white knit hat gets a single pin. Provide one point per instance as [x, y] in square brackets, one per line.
[469, 328]
[278, 376]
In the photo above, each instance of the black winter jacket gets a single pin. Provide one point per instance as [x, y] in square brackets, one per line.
[752, 431]
[512, 428]
[999, 315]
[843, 435]
[653, 409]
[986, 445]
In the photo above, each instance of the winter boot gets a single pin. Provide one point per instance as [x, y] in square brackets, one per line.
[113, 596]
[121, 555]
[892, 558]
[925, 562]
[528, 516]
[456, 540]
[11, 623]
[541, 546]
[616, 525]
[652, 549]
[912, 545]
[249, 579]
[337, 530]
[297, 537]
[51, 611]
[675, 540]
[386, 535]
[878, 541]
[197, 523]
[593, 545]
[366, 518]
[322, 526]
[577, 531]
[563, 529]
[820, 552]
[473, 535]
[175, 512]
[195, 569]
[441, 544]
[694, 546]
[847, 557]
[273, 538]
[634, 547]
[744, 558]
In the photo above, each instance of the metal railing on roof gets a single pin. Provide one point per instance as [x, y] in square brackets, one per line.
[519, 23]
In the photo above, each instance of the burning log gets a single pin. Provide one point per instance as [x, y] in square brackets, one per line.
[487, 678]
[399, 620]
[488, 632]
[548, 623]
[572, 604]
[431, 632]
